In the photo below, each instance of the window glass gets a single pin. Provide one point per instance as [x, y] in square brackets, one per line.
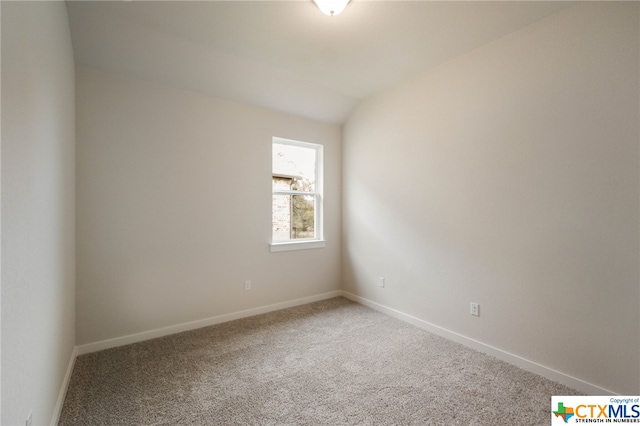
[296, 205]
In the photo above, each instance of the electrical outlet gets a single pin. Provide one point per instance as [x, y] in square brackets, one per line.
[380, 281]
[247, 285]
[29, 420]
[475, 309]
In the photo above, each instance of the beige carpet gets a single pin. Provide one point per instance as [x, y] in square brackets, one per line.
[333, 362]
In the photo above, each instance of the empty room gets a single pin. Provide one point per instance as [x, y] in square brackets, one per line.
[299, 213]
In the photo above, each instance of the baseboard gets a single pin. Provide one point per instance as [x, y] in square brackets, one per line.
[525, 364]
[160, 332]
[55, 418]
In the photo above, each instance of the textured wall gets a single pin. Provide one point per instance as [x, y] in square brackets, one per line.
[174, 208]
[38, 220]
[509, 177]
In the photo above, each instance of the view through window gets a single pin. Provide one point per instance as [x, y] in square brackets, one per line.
[296, 183]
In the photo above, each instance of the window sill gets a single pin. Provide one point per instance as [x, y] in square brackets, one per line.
[297, 245]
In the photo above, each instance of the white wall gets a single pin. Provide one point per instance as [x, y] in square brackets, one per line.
[174, 208]
[38, 222]
[509, 177]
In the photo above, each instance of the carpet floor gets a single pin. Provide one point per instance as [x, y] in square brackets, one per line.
[332, 362]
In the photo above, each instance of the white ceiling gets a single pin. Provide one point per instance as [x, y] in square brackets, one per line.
[287, 55]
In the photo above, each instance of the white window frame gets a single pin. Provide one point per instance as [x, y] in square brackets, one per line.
[306, 243]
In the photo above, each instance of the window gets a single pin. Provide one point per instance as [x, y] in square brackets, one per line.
[296, 210]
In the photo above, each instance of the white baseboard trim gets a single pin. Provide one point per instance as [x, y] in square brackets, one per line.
[525, 364]
[165, 331]
[55, 418]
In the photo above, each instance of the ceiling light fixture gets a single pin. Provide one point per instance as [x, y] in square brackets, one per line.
[331, 7]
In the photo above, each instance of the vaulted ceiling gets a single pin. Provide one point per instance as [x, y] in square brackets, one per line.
[287, 55]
